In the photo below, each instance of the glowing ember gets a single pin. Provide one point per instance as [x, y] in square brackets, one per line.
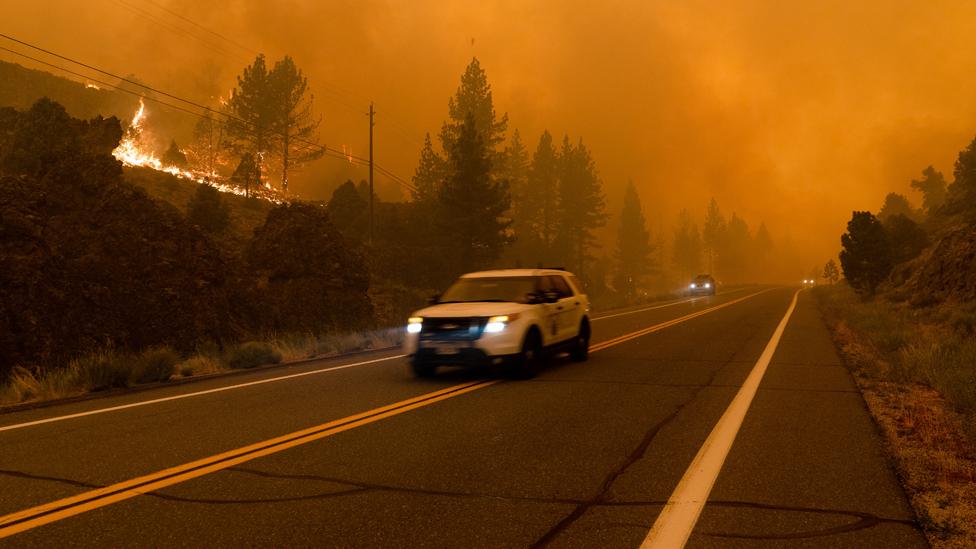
[91, 86]
[133, 152]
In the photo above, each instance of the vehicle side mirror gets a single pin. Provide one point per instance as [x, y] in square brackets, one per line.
[550, 297]
[432, 300]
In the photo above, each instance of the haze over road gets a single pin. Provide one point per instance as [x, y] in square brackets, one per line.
[584, 455]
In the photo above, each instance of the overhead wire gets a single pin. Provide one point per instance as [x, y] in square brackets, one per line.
[229, 116]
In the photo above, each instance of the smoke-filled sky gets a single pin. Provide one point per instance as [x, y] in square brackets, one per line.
[792, 112]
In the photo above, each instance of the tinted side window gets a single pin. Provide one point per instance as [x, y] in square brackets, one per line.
[561, 286]
[576, 283]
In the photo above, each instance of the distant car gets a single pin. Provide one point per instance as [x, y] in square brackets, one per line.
[809, 282]
[703, 284]
[511, 317]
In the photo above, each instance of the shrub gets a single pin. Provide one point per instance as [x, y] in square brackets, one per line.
[102, 370]
[200, 364]
[251, 354]
[154, 364]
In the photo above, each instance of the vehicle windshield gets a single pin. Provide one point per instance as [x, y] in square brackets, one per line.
[703, 278]
[516, 289]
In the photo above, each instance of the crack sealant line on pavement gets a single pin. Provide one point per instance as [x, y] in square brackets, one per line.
[674, 525]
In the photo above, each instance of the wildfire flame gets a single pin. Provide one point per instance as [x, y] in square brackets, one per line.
[132, 152]
[92, 86]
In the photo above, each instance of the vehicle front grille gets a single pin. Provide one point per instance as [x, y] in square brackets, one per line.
[452, 328]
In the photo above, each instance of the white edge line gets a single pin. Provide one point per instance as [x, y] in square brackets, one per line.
[197, 393]
[673, 526]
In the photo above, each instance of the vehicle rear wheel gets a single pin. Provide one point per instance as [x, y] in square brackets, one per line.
[422, 368]
[581, 347]
[530, 360]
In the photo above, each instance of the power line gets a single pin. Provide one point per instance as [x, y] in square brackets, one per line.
[324, 148]
[201, 27]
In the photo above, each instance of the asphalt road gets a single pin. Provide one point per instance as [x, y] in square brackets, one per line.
[584, 455]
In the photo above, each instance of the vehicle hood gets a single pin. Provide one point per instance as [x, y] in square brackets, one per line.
[453, 310]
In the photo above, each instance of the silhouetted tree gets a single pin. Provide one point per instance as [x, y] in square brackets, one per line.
[905, 238]
[174, 156]
[830, 272]
[254, 114]
[473, 97]
[895, 204]
[762, 254]
[208, 210]
[713, 232]
[962, 193]
[472, 203]
[541, 196]
[429, 174]
[933, 189]
[516, 172]
[247, 173]
[633, 254]
[735, 244]
[293, 123]
[687, 252]
[581, 205]
[866, 256]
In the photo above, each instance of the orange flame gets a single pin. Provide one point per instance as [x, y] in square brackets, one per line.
[132, 153]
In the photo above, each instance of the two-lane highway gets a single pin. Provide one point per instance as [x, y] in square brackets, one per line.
[356, 452]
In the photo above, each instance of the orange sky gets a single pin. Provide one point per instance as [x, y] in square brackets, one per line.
[794, 113]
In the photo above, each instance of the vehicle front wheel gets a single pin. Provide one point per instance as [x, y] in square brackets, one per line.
[422, 368]
[530, 360]
[581, 347]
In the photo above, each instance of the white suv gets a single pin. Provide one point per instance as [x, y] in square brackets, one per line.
[514, 316]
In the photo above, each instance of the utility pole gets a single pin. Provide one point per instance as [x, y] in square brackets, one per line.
[371, 124]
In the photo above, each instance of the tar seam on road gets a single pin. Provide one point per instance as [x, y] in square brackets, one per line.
[28, 519]
[270, 380]
[673, 526]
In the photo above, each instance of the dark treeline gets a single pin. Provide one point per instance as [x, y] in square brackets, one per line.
[876, 245]
[88, 261]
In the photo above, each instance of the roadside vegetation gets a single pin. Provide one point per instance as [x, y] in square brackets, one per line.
[904, 318]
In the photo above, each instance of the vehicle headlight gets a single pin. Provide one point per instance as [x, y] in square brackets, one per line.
[413, 324]
[708, 284]
[498, 323]
[692, 285]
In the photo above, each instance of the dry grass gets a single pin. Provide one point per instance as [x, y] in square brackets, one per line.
[108, 369]
[915, 377]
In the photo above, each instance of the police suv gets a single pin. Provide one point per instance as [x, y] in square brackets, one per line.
[511, 317]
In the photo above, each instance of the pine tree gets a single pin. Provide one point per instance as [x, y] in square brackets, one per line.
[247, 173]
[294, 123]
[687, 252]
[962, 193]
[472, 203]
[541, 196]
[581, 207]
[524, 210]
[633, 254]
[474, 97]
[735, 259]
[254, 115]
[713, 233]
[174, 156]
[895, 204]
[429, 174]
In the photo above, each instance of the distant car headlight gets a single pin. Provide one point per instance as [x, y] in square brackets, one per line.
[498, 323]
[708, 284]
[413, 324]
[692, 285]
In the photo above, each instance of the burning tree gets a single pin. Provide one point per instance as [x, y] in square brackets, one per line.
[294, 120]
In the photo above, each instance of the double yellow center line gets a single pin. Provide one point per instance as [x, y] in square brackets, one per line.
[57, 510]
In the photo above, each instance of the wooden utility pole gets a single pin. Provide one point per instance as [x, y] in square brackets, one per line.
[371, 124]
